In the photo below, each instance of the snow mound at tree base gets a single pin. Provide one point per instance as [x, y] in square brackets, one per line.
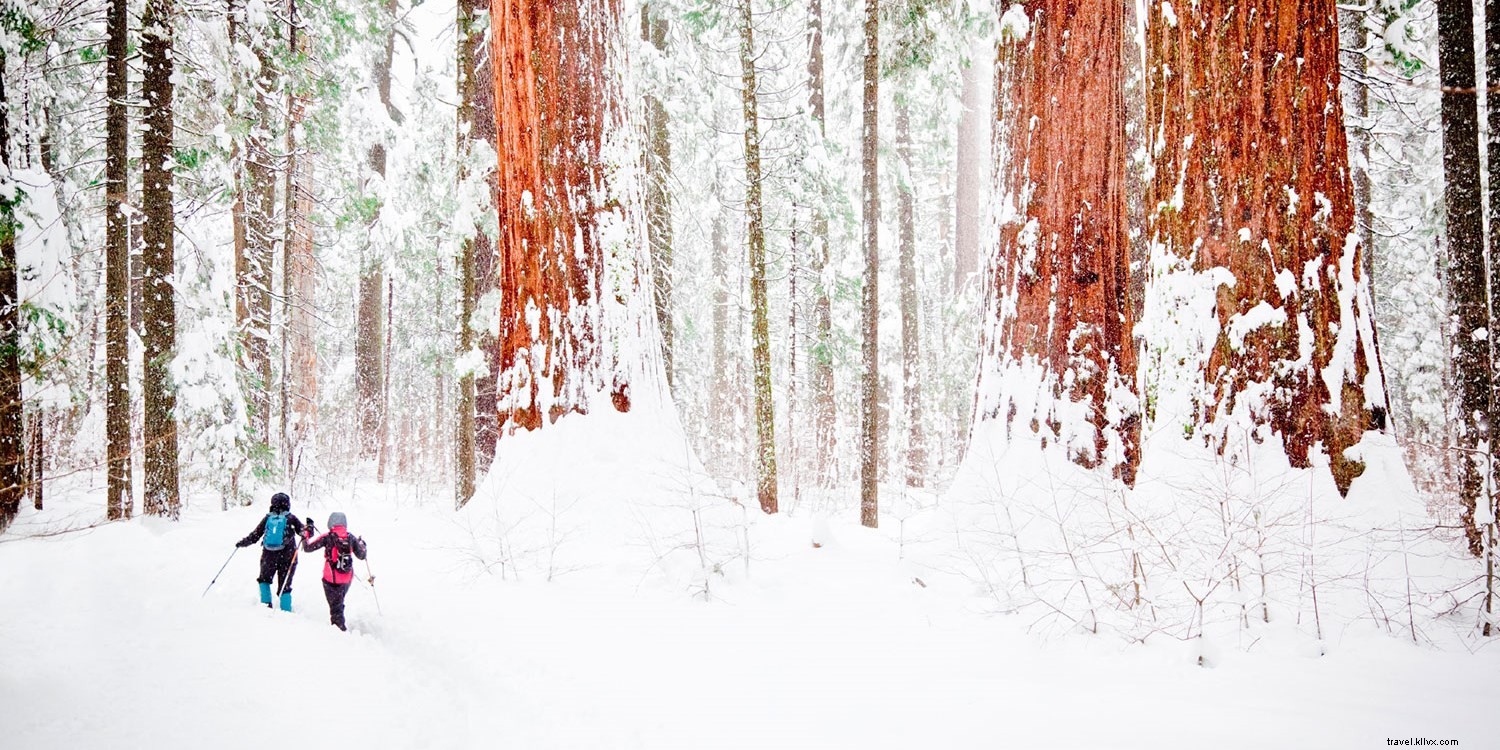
[1229, 547]
[603, 491]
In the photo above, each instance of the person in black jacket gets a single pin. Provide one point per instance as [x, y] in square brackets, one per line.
[278, 533]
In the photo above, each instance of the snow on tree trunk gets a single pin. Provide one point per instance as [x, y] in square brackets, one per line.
[973, 160]
[869, 387]
[370, 321]
[471, 48]
[906, 269]
[1058, 359]
[658, 197]
[256, 274]
[12, 478]
[1251, 190]
[158, 300]
[556, 105]
[820, 376]
[299, 388]
[116, 267]
[755, 235]
[479, 82]
[1466, 260]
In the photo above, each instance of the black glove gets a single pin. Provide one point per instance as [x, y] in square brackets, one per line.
[242, 543]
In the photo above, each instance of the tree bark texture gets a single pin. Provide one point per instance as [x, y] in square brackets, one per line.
[118, 503]
[755, 235]
[472, 17]
[158, 300]
[820, 370]
[869, 388]
[256, 275]
[658, 195]
[12, 427]
[370, 322]
[1063, 325]
[555, 100]
[906, 270]
[1467, 291]
[974, 163]
[299, 274]
[481, 90]
[1251, 176]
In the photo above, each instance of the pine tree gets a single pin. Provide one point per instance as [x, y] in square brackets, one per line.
[820, 376]
[158, 313]
[869, 394]
[906, 269]
[299, 386]
[658, 197]
[1467, 292]
[760, 332]
[12, 481]
[370, 327]
[117, 266]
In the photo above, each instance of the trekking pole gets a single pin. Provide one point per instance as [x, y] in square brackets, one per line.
[372, 587]
[221, 570]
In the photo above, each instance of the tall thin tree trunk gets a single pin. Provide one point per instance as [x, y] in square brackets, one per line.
[12, 426]
[906, 269]
[820, 376]
[1467, 291]
[158, 301]
[470, 46]
[481, 83]
[257, 280]
[1225, 83]
[658, 196]
[975, 121]
[370, 322]
[760, 329]
[869, 391]
[299, 409]
[384, 439]
[117, 268]
[722, 398]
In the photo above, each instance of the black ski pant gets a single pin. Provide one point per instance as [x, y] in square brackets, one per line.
[280, 564]
[336, 593]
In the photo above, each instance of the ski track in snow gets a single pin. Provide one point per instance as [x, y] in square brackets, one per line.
[108, 643]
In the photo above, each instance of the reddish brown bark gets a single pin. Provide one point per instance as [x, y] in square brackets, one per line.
[1063, 270]
[1251, 175]
[554, 103]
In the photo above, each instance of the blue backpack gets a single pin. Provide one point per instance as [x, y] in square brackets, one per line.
[275, 531]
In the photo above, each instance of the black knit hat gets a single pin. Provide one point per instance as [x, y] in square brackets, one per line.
[281, 503]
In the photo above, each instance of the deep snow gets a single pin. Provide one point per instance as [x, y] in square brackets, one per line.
[869, 640]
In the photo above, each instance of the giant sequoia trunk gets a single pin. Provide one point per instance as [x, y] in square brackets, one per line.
[116, 268]
[158, 302]
[555, 101]
[1062, 330]
[1251, 186]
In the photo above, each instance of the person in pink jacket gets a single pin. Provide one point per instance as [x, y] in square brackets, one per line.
[339, 550]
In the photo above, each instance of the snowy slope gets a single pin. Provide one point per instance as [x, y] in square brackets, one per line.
[107, 642]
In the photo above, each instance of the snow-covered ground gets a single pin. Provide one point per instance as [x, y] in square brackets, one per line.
[867, 640]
